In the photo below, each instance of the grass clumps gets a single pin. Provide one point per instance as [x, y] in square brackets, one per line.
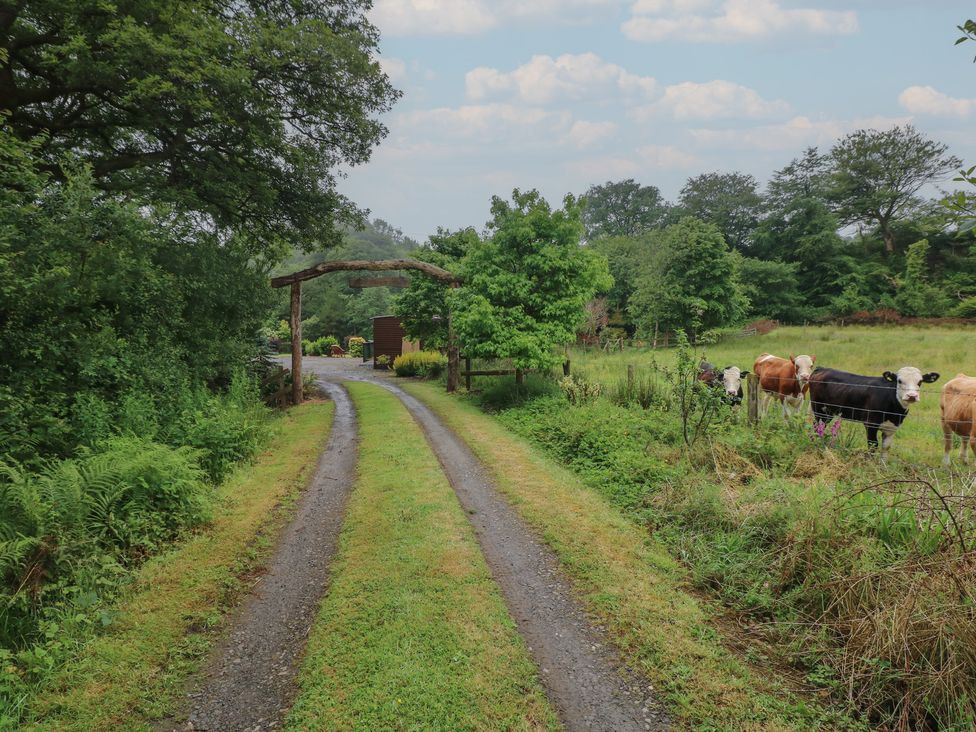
[413, 633]
[425, 364]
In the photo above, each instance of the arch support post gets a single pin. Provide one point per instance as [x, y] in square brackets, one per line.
[295, 321]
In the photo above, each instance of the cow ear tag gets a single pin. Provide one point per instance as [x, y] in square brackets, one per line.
[930, 377]
[890, 376]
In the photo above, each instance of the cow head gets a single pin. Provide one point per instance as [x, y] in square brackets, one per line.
[732, 380]
[804, 367]
[908, 383]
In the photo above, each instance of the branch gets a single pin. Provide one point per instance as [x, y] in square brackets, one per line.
[434, 271]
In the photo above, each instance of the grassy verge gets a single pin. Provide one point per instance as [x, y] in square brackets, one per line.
[634, 585]
[135, 671]
[413, 633]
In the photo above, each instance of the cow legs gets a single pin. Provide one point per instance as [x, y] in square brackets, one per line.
[888, 434]
[947, 444]
[872, 431]
[966, 441]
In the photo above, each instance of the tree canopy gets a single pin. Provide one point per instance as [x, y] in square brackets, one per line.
[624, 208]
[877, 175]
[525, 287]
[730, 201]
[237, 110]
[691, 282]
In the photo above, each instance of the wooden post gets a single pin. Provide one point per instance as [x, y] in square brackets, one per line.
[467, 375]
[453, 357]
[752, 381]
[566, 367]
[519, 376]
[295, 321]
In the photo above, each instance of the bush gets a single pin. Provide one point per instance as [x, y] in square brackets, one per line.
[578, 390]
[503, 392]
[319, 347]
[426, 364]
[355, 346]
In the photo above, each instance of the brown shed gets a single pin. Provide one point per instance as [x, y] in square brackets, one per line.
[389, 338]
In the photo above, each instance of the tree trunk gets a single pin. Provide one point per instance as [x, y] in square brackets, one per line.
[453, 358]
[295, 321]
[889, 239]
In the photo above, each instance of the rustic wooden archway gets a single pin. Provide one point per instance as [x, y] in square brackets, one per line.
[295, 280]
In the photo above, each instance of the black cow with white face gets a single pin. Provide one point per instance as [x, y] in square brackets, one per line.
[880, 402]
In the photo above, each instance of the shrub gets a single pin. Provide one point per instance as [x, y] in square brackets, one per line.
[355, 346]
[504, 392]
[426, 364]
[319, 347]
[578, 390]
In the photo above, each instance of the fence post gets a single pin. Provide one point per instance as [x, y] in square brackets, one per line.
[566, 367]
[752, 382]
[519, 376]
[467, 376]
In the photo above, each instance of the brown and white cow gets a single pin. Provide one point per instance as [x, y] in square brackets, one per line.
[785, 380]
[958, 406]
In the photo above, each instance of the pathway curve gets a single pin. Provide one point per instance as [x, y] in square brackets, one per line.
[248, 683]
[583, 675]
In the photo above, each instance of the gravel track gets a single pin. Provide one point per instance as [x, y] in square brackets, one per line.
[584, 677]
[248, 682]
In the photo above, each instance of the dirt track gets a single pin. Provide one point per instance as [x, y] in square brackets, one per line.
[249, 681]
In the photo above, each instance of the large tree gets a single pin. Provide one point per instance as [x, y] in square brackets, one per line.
[624, 208]
[690, 283]
[730, 201]
[525, 287]
[806, 177]
[877, 176]
[238, 110]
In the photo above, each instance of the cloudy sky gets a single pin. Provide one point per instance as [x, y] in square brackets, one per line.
[561, 94]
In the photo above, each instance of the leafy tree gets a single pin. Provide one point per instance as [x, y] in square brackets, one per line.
[804, 233]
[772, 289]
[730, 201]
[625, 255]
[691, 283]
[916, 293]
[624, 208]
[422, 307]
[877, 176]
[806, 177]
[102, 304]
[961, 206]
[239, 110]
[526, 286]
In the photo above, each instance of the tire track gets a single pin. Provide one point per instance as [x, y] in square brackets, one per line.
[248, 681]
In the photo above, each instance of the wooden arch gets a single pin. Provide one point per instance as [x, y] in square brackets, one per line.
[295, 280]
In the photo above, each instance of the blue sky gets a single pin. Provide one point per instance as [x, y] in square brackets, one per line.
[561, 94]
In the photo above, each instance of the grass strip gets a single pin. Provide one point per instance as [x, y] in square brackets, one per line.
[413, 633]
[632, 584]
[137, 670]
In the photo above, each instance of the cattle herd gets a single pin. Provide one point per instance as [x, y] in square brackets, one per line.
[880, 403]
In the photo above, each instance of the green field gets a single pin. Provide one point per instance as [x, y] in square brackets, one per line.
[869, 350]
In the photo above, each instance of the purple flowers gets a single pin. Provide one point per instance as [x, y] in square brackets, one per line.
[820, 430]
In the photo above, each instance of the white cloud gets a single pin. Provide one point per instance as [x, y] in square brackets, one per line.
[466, 17]
[544, 79]
[793, 134]
[584, 134]
[486, 122]
[730, 20]
[395, 68]
[926, 100]
[643, 160]
[716, 99]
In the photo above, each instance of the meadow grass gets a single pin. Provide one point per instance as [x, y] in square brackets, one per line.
[136, 671]
[636, 588]
[413, 633]
[869, 350]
